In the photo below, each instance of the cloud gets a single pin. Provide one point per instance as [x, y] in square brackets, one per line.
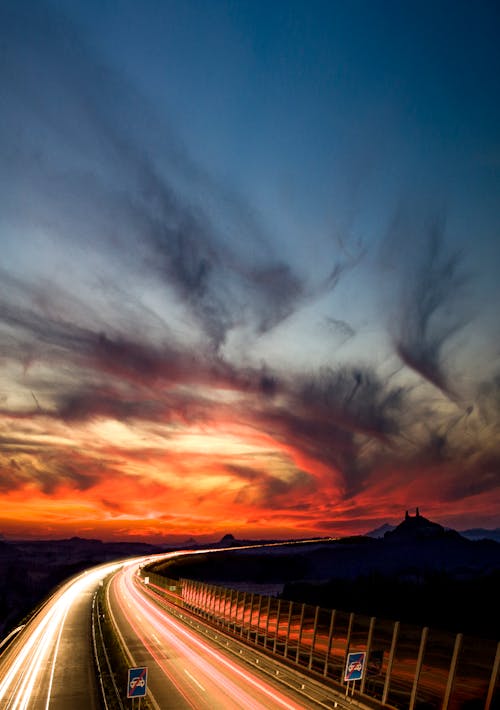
[128, 268]
[48, 468]
[488, 398]
[336, 430]
[341, 328]
[324, 421]
[89, 167]
[430, 313]
[262, 488]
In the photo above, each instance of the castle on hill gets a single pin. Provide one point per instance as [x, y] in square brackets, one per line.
[415, 526]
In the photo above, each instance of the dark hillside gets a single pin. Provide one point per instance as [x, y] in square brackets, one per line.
[436, 600]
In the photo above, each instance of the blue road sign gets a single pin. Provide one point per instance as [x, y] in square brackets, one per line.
[137, 682]
[355, 666]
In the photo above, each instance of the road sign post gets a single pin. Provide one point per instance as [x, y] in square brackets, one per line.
[137, 683]
[354, 668]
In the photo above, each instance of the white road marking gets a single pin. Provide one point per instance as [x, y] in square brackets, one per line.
[194, 679]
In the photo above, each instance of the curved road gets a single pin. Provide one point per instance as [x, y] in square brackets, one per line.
[187, 670]
[50, 664]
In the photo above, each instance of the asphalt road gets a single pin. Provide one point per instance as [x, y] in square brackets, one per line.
[50, 663]
[189, 668]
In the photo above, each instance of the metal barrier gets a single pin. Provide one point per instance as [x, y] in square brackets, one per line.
[408, 667]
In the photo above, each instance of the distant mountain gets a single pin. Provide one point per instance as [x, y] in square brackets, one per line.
[470, 534]
[190, 542]
[380, 531]
[412, 527]
[418, 528]
[481, 534]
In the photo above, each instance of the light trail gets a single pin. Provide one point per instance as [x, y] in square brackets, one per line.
[54, 657]
[237, 684]
[189, 675]
[37, 663]
[40, 639]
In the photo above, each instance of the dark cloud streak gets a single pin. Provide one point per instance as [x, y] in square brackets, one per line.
[429, 319]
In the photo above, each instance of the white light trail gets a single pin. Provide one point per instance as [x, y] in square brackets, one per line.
[18, 681]
[209, 662]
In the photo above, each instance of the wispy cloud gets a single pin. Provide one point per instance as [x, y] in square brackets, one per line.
[428, 317]
[128, 269]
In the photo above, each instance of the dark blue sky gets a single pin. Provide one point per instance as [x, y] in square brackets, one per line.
[283, 216]
[326, 118]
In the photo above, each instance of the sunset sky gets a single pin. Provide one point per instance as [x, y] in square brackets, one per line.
[250, 257]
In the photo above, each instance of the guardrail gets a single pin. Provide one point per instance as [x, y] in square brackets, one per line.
[407, 666]
[108, 656]
[97, 648]
[10, 636]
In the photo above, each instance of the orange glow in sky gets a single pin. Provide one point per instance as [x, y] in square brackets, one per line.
[249, 269]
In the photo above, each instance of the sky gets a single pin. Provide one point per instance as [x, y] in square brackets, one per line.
[249, 267]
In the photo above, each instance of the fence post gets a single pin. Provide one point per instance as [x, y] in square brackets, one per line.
[222, 605]
[290, 605]
[218, 595]
[236, 610]
[205, 599]
[244, 607]
[297, 655]
[395, 634]
[368, 649]
[266, 632]
[493, 679]
[199, 596]
[347, 642]
[221, 608]
[211, 600]
[313, 640]
[453, 668]
[250, 616]
[329, 644]
[208, 600]
[257, 632]
[277, 626]
[421, 650]
[229, 607]
[234, 601]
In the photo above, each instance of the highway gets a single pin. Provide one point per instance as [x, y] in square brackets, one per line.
[50, 663]
[187, 669]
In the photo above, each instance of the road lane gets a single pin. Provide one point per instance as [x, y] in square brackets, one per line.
[73, 674]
